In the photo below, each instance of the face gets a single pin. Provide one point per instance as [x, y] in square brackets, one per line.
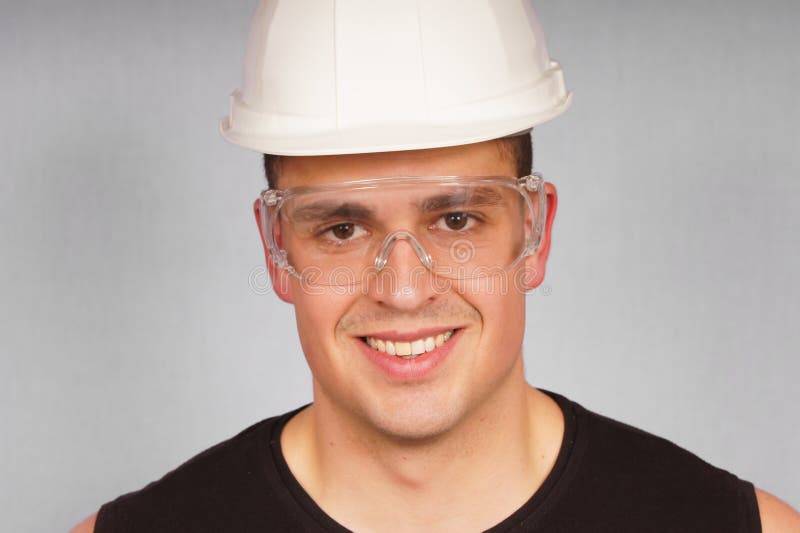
[476, 330]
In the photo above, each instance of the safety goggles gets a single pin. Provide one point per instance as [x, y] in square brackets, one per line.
[459, 227]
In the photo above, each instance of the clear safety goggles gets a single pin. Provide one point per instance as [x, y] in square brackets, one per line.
[459, 227]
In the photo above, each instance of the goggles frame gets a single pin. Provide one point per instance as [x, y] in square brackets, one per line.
[271, 201]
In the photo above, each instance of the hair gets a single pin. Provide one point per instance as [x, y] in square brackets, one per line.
[518, 148]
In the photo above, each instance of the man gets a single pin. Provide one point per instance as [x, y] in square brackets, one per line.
[404, 225]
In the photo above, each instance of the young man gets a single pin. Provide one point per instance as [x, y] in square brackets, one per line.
[403, 225]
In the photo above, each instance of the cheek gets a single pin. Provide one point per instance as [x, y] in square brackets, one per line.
[509, 325]
[502, 310]
[317, 313]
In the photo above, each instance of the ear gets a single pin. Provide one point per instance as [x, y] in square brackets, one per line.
[281, 282]
[535, 264]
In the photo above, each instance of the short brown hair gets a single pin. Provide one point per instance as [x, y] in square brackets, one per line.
[519, 148]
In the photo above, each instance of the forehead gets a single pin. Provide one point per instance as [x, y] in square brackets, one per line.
[480, 159]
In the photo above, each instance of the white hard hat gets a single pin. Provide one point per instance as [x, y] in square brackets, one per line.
[355, 76]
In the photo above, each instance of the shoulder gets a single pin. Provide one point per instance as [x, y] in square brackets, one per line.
[777, 516]
[629, 449]
[643, 478]
[191, 496]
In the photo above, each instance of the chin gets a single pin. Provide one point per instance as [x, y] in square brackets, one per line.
[418, 417]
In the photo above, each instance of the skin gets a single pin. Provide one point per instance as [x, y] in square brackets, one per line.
[473, 431]
[429, 446]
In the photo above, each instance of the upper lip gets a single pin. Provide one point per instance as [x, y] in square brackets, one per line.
[408, 336]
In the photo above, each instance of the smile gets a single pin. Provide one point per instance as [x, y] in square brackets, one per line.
[409, 349]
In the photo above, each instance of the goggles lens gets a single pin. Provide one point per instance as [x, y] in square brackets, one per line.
[458, 227]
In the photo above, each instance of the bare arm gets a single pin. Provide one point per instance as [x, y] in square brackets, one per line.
[87, 526]
[777, 516]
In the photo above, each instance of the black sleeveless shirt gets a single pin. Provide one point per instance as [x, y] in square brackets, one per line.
[608, 477]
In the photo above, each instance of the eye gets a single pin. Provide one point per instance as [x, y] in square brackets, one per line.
[457, 221]
[344, 231]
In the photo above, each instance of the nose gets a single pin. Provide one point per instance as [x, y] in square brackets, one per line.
[403, 278]
[389, 242]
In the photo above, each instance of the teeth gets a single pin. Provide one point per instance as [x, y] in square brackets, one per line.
[409, 350]
[418, 347]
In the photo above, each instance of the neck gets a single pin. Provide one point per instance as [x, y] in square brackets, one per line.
[498, 455]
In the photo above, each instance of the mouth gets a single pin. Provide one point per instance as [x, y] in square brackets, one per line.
[413, 356]
[408, 348]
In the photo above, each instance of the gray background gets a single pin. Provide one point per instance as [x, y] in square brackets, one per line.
[130, 336]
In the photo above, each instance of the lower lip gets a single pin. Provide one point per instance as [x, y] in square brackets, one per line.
[402, 369]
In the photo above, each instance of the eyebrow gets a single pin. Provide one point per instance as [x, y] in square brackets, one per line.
[326, 210]
[478, 197]
[460, 198]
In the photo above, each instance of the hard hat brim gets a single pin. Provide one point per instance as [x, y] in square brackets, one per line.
[391, 138]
